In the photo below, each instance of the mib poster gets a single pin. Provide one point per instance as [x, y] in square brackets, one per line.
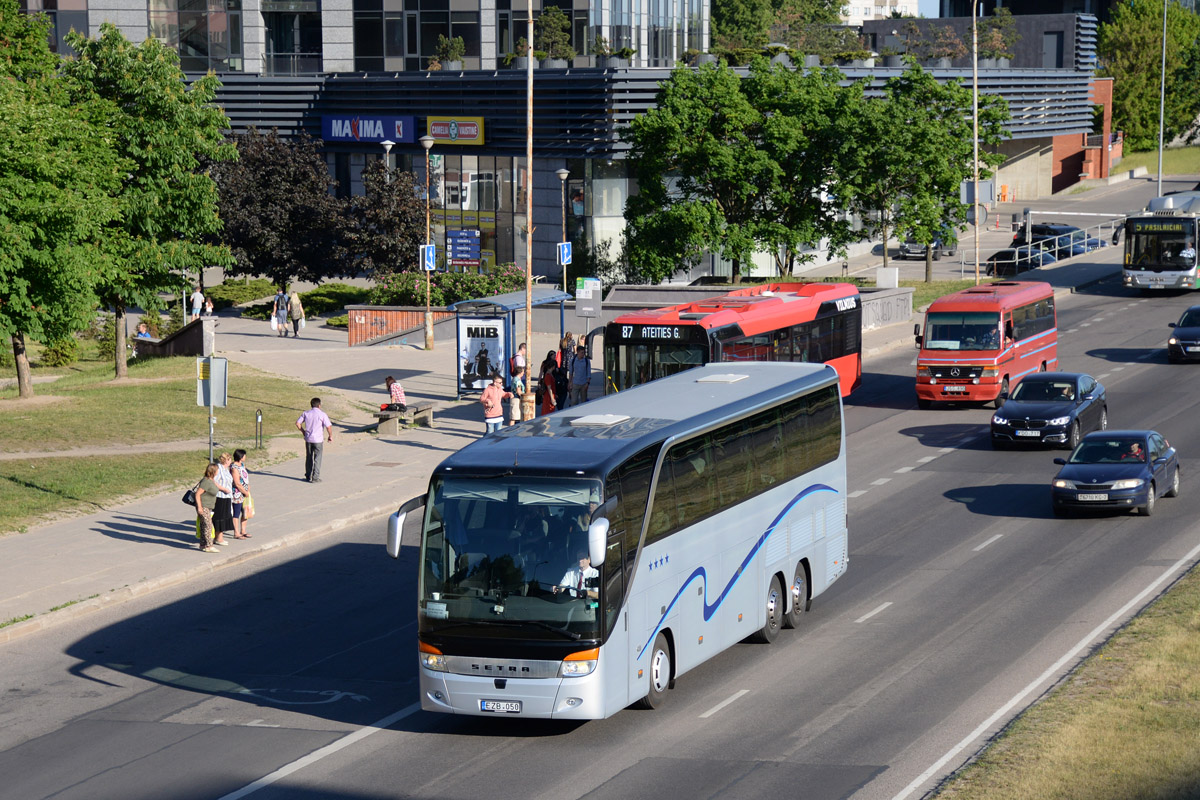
[481, 351]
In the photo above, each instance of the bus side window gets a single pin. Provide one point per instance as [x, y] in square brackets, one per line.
[732, 449]
[766, 444]
[691, 466]
[793, 419]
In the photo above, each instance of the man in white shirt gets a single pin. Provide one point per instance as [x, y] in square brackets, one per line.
[576, 581]
[197, 299]
[1188, 253]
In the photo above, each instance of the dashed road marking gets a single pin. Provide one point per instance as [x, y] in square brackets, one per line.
[997, 537]
[857, 493]
[926, 459]
[1103, 374]
[723, 703]
[904, 469]
[870, 614]
[1117, 369]
[880, 482]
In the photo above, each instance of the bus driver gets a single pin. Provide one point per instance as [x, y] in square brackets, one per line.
[576, 582]
[1188, 253]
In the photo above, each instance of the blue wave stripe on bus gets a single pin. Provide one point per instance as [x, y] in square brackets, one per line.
[710, 609]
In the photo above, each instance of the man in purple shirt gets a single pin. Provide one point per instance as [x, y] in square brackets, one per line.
[316, 426]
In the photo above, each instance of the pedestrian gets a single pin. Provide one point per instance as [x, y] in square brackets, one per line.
[222, 517]
[396, 399]
[562, 378]
[243, 505]
[296, 312]
[581, 376]
[518, 391]
[517, 362]
[143, 331]
[206, 501]
[493, 404]
[208, 307]
[197, 299]
[316, 427]
[547, 382]
[279, 310]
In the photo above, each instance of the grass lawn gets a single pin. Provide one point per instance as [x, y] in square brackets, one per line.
[1176, 161]
[925, 293]
[1124, 726]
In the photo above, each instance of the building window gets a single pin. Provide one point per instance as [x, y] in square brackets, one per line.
[390, 37]
[65, 16]
[208, 35]
[293, 37]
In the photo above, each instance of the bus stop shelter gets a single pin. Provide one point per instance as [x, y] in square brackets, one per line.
[485, 335]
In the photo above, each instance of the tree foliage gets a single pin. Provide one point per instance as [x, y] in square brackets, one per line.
[552, 33]
[57, 177]
[163, 128]
[1130, 48]
[387, 222]
[909, 152]
[752, 23]
[281, 221]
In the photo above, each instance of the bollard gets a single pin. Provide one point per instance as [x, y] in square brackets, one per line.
[258, 430]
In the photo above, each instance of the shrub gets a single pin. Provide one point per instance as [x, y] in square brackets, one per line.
[61, 353]
[332, 297]
[232, 293]
[408, 288]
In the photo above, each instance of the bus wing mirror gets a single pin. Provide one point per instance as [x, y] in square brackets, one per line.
[597, 539]
[395, 525]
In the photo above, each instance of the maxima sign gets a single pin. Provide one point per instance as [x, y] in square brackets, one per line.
[368, 128]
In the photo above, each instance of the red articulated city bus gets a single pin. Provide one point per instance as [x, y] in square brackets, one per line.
[812, 322]
[979, 342]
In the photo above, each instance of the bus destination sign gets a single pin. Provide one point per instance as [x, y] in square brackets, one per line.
[1158, 225]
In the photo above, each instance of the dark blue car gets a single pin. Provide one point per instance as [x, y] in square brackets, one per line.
[1184, 344]
[1116, 470]
[1051, 408]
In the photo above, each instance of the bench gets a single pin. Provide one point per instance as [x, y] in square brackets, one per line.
[418, 413]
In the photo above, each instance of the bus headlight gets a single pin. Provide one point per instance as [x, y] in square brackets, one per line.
[579, 664]
[431, 657]
[1128, 483]
[990, 372]
[923, 372]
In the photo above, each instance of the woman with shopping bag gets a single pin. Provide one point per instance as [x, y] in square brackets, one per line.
[296, 312]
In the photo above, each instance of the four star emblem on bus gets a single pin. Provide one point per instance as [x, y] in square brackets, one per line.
[659, 562]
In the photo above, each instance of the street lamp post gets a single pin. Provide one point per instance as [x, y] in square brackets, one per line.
[562, 178]
[975, 126]
[388, 144]
[427, 142]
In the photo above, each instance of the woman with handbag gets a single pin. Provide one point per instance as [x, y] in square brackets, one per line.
[296, 312]
[243, 505]
[396, 401]
[206, 502]
[222, 518]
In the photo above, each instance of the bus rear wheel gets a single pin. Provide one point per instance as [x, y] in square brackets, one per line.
[799, 598]
[660, 673]
[775, 600]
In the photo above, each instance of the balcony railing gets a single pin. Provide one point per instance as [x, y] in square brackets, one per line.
[291, 64]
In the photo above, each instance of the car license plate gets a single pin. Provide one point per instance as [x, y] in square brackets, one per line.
[1193, 349]
[1086, 497]
[501, 706]
[1029, 433]
[953, 389]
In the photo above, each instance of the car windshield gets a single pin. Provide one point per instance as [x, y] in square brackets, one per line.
[1109, 451]
[1043, 391]
[1190, 318]
[498, 554]
[962, 331]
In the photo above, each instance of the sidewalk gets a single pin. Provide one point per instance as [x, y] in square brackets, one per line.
[81, 564]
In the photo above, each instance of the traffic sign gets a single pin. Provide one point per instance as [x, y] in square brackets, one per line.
[428, 257]
[564, 253]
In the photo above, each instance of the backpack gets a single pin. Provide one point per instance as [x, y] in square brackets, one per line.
[512, 367]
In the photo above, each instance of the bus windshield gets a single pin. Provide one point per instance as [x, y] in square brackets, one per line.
[634, 364]
[948, 330]
[1161, 251]
[502, 558]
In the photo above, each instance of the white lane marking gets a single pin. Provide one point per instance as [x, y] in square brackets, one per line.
[1103, 375]
[870, 614]
[258, 723]
[723, 703]
[946, 450]
[327, 750]
[904, 469]
[1083, 644]
[926, 459]
[1117, 369]
[880, 482]
[857, 493]
[1084, 324]
[989, 541]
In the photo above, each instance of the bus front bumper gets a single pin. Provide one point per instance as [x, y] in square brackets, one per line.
[957, 392]
[535, 698]
[1157, 280]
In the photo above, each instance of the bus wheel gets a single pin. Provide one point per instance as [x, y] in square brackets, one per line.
[799, 598]
[775, 601]
[660, 673]
[1000, 398]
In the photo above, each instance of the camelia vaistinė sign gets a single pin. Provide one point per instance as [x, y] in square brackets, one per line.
[368, 128]
[456, 130]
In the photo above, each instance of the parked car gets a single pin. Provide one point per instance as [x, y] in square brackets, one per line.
[1015, 260]
[1184, 344]
[1062, 240]
[1051, 408]
[1116, 470]
[911, 248]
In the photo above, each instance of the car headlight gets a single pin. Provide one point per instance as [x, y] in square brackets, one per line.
[999, 420]
[1061, 483]
[581, 663]
[1128, 483]
[431, 657]
[1172, 340]
[1058, 421]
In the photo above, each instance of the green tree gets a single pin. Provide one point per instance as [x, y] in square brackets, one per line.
[163, 128]
[735, 166]
[57, 173]
[552, 33]
[281, 220]
[909, 153]
[1130, 48]
[387, 222]
[740, 23]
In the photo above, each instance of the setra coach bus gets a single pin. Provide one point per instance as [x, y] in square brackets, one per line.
[980, 341]
[806, 322]
[1160, 245]
[580, 562]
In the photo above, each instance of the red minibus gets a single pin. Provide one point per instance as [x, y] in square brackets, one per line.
[979, 342]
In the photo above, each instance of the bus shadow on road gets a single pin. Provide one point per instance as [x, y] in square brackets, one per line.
[1131, 355]
[1021, 500]
[882, 390]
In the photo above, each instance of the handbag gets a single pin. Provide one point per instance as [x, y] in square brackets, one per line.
[302, 322]
[189, 497]
[274, 323]
[248, 508]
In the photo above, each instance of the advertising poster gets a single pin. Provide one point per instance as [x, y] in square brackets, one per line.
[481, 351]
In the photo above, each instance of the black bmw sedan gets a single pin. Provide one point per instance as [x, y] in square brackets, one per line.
[1051, 408]
[1184, 344]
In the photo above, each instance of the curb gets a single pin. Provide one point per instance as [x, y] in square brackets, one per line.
[50, 619]
[1090, 283]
